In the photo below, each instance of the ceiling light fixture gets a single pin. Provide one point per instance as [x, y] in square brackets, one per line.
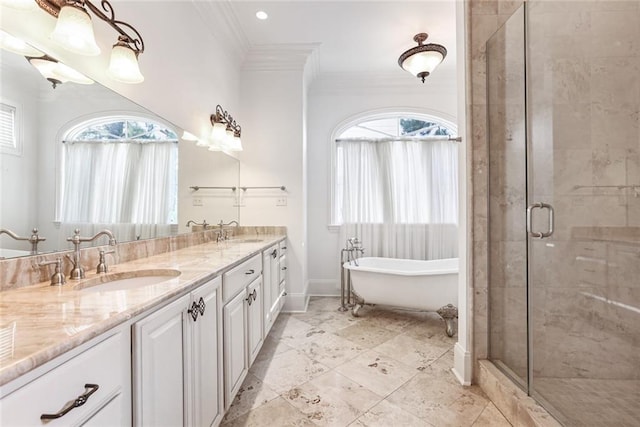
[56, 72]
[226, 133]
[421, 60]
[261, 15]
[74, 32]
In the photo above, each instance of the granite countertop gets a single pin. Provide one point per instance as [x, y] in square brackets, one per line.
[41, 322]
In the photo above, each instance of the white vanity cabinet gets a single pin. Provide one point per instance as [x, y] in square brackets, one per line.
[242, 322]
[270, 260]
[282, 276]
[99, 376]
[177, 361]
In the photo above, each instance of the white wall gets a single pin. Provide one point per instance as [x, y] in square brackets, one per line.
[272, 111]
[332, 101]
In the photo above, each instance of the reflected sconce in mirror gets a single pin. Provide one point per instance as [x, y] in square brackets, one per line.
[226, 133]
[56, 72]
[74, 32]
[52, 70]
[421, 60]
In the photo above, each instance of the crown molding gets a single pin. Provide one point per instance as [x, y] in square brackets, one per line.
[282, 57]
[223, 24]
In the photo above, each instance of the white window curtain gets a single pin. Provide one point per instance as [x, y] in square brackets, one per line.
[123, 186]
[400, 198]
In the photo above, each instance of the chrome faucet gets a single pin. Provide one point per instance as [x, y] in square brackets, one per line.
[77, 272]
[222, 234]
[34, 239]
[203, 224]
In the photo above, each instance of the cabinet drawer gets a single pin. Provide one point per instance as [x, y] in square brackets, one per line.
[283, 247]
[240, 276]
[103, 365]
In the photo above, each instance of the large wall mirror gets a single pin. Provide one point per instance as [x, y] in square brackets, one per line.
[34, 169]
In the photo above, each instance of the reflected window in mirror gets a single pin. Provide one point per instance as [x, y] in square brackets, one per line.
[9, 125]
[119, 172]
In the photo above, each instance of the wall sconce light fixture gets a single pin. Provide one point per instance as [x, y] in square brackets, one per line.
[421, 60]
[226, 133]
[74, 32]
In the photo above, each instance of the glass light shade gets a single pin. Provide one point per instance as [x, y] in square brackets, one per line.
[237, 144]
[425, 61]
[16, 45]
[47, 68]
[188, 136]
[218, 133]
[19, 4]
[228, 139]
[71, 75]
[215, 147]
[74, 31]
[123, 66]
[202, 143]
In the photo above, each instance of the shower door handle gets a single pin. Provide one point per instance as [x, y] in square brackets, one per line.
[540, 234]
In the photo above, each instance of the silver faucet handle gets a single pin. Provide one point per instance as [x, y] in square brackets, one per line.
[102, 266]
[57, 278]
[35, 238]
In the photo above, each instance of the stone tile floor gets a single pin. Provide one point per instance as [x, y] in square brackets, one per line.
[387, 368]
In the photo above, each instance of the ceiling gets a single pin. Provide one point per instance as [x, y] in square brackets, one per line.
[352, 37]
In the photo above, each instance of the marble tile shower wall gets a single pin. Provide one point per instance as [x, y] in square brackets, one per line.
[24, 271]
[585, 115]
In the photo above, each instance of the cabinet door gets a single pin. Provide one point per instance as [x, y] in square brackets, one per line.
[158, 366]
[266, 297]
[204, 382]
[254, 319]
[235, 346]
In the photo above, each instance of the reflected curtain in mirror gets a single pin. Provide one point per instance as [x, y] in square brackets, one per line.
[120, 174]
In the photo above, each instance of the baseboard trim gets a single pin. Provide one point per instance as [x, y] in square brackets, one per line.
[324, 288]
[462, 366]
[296, 303]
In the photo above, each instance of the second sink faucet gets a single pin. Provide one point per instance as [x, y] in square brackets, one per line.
[77, 272]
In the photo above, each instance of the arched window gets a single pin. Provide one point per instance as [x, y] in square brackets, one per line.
[119, 170]
[395, 183]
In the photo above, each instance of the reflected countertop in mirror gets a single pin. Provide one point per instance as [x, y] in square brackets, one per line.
[30, 171]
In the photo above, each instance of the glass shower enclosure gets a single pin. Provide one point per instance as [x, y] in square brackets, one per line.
[563, 107]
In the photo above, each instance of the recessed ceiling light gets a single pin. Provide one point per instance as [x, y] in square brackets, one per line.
[262, 15]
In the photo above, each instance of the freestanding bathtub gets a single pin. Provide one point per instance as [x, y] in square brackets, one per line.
[422, 285]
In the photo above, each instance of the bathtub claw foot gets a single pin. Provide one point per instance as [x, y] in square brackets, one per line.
[356, 308]
[449, 313]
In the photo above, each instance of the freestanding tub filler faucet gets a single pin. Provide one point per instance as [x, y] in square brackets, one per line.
[77, 272]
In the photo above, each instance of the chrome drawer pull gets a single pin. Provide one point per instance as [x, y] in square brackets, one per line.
[80, 400]
[250, 272]
[284, 268]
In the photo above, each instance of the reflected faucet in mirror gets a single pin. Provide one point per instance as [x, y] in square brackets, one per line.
[77, 272]
[203, 223]
[223, 234]
[34, 239]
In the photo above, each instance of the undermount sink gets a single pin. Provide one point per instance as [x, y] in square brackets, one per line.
[248, 240]
[127, 280]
